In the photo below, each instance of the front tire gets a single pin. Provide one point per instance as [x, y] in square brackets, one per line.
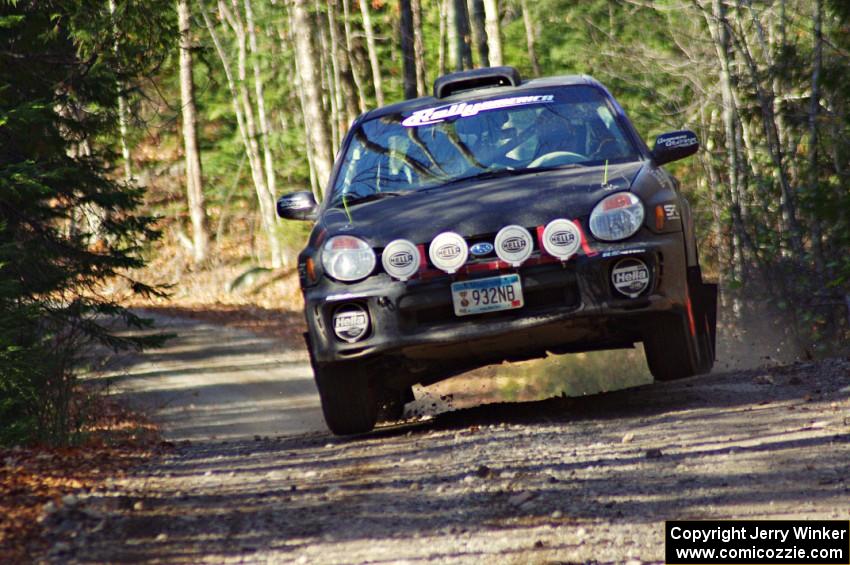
[671, 351]
[349, 402]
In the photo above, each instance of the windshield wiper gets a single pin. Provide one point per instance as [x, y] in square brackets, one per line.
[360, 199]
[486, 175]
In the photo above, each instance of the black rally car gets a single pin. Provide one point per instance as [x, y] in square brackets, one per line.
[500, 219]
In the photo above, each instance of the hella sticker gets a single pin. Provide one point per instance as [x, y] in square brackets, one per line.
[514, 245]
[630, 277]
[561, 239]
[351, 322]
[400, 259]
[448, 252]
[481, 249]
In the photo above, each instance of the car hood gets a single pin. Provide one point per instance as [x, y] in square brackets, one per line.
[481, 206]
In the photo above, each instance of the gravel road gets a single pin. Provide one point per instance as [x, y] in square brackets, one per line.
[254, 477]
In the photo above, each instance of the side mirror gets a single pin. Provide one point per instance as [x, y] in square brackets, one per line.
[297, 206]
[674, 145]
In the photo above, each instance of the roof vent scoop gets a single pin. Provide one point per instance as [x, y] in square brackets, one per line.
[477, 78]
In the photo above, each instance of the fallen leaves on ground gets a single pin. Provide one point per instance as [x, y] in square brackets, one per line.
[36, 481]
[278, 323]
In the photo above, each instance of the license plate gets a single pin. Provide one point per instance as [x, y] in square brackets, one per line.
[487, 295]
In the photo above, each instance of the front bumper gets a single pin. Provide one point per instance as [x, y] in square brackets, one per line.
[569, 306]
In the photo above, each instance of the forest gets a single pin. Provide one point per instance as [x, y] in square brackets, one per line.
[134, 131]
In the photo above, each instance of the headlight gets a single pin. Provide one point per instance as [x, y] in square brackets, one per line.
[616, 217]
[347, 258]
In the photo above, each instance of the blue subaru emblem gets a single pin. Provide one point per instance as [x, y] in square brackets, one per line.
[482, 248]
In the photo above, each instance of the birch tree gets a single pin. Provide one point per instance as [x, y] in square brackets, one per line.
[240, 100]
[451, 59]
[347, 83]
[446, 58]
[349, 48]
[303, 29]
[462, 36]
[407, 50]
[377, 79]
[529, 37]
[494, 32]
[259, 92]
[123, 117]
[479, 31]
[814, 112]
[419, 49]
[194, 177]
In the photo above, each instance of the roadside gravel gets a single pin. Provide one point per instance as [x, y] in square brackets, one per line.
[590, 479]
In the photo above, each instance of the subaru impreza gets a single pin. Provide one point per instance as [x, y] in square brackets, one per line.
[499, 219]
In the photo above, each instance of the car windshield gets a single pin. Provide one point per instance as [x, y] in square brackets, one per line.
[427, 148]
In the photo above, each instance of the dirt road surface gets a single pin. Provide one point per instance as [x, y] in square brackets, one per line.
[254, 477]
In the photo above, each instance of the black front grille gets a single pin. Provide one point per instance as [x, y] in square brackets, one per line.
[545, 288]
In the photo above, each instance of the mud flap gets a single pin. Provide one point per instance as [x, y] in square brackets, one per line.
[707, 307]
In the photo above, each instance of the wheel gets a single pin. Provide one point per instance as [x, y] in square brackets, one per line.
[682, 345]
[671, 351]
[349, 402]
[391, 403]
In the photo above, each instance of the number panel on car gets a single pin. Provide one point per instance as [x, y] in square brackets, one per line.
[487, 295]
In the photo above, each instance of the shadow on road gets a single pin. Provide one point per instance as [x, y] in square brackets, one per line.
[718, 446]
[754, 444]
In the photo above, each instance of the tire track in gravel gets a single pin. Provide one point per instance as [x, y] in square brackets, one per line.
[559, 480]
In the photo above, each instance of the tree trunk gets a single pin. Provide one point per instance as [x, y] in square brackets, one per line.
[373, 52]
[494, 32]
[419, 49]
[348, 87]
[766, 103]
[259, 91]
[265, 197]
[349, 46]
[529, 37]
[716, 22]
[329, 85]
[194, 177]
[408, 55]
[339, 113]
[247, 127]
[814, 110]
[303, 29]
[446, 54]
[462, 48]
[452, 60]
[479, 31]
[122, 104]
